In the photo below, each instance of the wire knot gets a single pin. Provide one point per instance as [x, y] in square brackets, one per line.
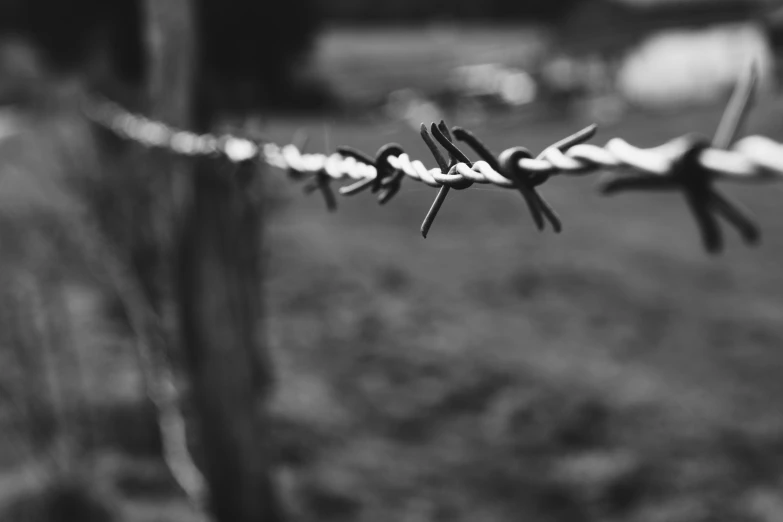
[687, 174]
[321, 180]
[387, 180]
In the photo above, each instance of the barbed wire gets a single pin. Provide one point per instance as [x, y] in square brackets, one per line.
[689, 163]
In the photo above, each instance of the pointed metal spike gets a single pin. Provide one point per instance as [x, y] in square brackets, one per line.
[449, 146]
[395, 179]
[444, 190]
[539, 178]
[574, 139]
[310, 187]
[355, 188]
[549, 212]
[432, 213]
[711, 236]
[326, 191]
[737, 216]
[737, 109]
[478, 146]
[439, 159]
[533, 206]
[444, 129]
[350, 152]
[388, 192]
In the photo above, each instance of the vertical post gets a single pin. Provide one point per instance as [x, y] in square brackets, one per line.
[219, 285]
[170, 35]
[170, 38]
[217, 282]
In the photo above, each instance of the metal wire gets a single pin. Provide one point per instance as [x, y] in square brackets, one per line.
[688, 163]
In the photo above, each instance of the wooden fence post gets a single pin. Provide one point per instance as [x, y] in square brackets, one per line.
[219, 284]
[217, 281]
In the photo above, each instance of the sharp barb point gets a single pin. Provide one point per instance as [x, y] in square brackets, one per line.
[456, 154]
[737, 109]
[429, 219]
[551, 215]
[478, 146]
[439, 159]
[737, 216]
[712, 238]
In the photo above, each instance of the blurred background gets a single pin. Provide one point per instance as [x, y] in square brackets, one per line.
[489, 372]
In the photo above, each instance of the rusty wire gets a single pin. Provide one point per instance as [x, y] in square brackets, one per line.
[689, 163]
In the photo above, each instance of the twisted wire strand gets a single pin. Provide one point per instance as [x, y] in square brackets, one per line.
[751, 159]
[688, 163]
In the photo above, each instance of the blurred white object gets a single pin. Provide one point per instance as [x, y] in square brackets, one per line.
[677, 67]
[412, 107]
[513, 86]
[517, 88]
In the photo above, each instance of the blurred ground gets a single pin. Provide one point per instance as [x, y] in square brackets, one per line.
[489, 372]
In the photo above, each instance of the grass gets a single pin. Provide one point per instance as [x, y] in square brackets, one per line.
[613, 372]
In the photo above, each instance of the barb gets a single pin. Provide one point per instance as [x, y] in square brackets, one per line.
[442, 134]
[705, 201]
[688, 163]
